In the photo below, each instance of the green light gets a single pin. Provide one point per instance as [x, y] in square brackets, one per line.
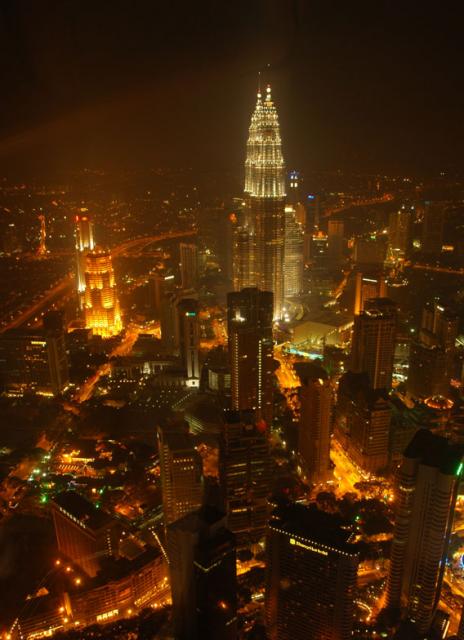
[43, 499]
[190, 314]
[460, 468]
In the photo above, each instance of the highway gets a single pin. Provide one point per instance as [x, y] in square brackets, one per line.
[66, 285]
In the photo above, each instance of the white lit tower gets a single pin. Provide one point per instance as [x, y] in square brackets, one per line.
[84, 244]
[265, 192]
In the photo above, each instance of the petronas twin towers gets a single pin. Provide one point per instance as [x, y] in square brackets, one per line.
[259, 236]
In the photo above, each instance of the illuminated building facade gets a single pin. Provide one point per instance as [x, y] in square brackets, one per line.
[84, 244]
[33, 361]
[244, 462]
[189, 339]
[368, 285]
[315, 427]
[85, 535]
[293, 254]
[202, 566]
[188, 265]
[181, 474]
[265, 193]
[134, 585]
[373, 343]
[425, 498]
[101, 304]
[399, 232]
[311, 573]
[249, 323]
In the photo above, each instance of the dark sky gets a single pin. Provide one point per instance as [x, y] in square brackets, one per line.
[372, 86]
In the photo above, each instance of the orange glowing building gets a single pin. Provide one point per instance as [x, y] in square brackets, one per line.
[101, 304]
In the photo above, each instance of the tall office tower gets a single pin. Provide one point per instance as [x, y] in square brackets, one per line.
[160, 284]
[101, 304]
[399, 232]
[310, 575]
[181, 474]
[433, 228]
[265, 189]
[188, 265]
[294, 188]
[169, 323]
[427, 370]
[336, 241]
[368, 285]
[315, 426]
[373, 343]
[85, 534]
[84, 244]
[33, 361]
[426, 491]
[202, 566]
[245, 470]
[293, 254]
[243, 251]
[189, 339]
[313, 212]
[249, 323]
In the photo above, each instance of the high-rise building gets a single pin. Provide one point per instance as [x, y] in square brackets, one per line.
[160, 284]
[181, 474]
[399, 232]
[84, 244]
[85, 534]
[336, 240]
[310, 575]
[433, 228]
[265, 191]
[368, 285]
[294, 195]
[244, 462]
[374, 342]
[293, 254]
[202, 566]
[101, 304]
[370, 252]
[188, 266]
[315, 426]
[426, 490]
[249, 323]
[33, 361]
[427, 370]
[366, 418]
[189, 339]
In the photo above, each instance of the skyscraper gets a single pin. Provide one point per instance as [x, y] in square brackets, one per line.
[374, 342]
[202, 566]
[426, 491]
[189, 339]
[85, 534]
[188, 265]
[249, 323]
[244, 462]
[33, 361]
[370, 284]
[84, 244]
[102, 312]
[310, 575]
[315, 426]
[181, 474]
[293, 254]
[336, 241]
[433, 228]
[399, 231]
[265, 191]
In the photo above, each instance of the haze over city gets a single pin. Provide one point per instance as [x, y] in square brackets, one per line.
[231, 321]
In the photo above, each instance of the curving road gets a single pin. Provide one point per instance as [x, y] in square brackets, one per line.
[67, 283]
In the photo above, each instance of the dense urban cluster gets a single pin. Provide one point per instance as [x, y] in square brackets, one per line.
[232, 413]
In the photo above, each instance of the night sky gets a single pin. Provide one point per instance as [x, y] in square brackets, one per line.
[368, 86]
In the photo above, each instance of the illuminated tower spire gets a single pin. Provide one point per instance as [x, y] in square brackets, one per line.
[265, 189]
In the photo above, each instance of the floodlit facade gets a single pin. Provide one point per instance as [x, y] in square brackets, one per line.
[84, 244]
[293, 254]
[102, 312]
[265, 192]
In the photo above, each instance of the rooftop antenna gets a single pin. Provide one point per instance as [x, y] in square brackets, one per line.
[259, 84]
